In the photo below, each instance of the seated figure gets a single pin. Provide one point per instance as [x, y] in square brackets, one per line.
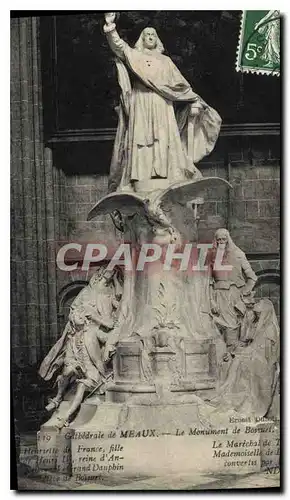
[81, 354]
[249, 377]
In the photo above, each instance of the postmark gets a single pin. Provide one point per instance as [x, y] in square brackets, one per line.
[259, 42]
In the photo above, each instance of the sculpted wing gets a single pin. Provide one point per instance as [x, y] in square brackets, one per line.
[183, 192]
[177, 195]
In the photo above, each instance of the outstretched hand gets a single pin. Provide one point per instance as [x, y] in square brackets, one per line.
[110, 17]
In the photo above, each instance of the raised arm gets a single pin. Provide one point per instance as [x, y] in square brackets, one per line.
[115, 42]
[250, 276]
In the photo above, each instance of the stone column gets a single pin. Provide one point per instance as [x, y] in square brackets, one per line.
[33, 204]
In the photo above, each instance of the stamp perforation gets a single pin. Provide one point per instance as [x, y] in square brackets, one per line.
[240, 68]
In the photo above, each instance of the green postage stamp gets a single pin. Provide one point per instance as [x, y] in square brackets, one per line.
[259, 42]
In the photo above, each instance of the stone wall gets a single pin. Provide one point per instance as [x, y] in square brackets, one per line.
[251, 210]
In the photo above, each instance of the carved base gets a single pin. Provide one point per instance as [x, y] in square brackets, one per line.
[147, 394]
[157, 439]
[174, 437]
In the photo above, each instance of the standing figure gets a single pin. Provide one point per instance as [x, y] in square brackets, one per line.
[152, 140]
[80, 355]
[228, 287]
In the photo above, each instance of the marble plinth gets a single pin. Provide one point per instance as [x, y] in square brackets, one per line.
[140, 440]
[191, 369]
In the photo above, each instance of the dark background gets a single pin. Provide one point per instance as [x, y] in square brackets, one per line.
[80, 79]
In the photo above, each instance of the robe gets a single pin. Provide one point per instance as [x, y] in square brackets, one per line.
[154, 140]
[247, 382]
[229, 285]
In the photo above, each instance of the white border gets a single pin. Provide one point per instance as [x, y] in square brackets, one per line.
[5, 213]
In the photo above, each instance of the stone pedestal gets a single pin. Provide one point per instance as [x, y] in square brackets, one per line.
[138, 440]
[152, 402]
[155, 420]
[190, 368]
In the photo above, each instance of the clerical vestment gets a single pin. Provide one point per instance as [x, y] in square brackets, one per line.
[154, 140]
